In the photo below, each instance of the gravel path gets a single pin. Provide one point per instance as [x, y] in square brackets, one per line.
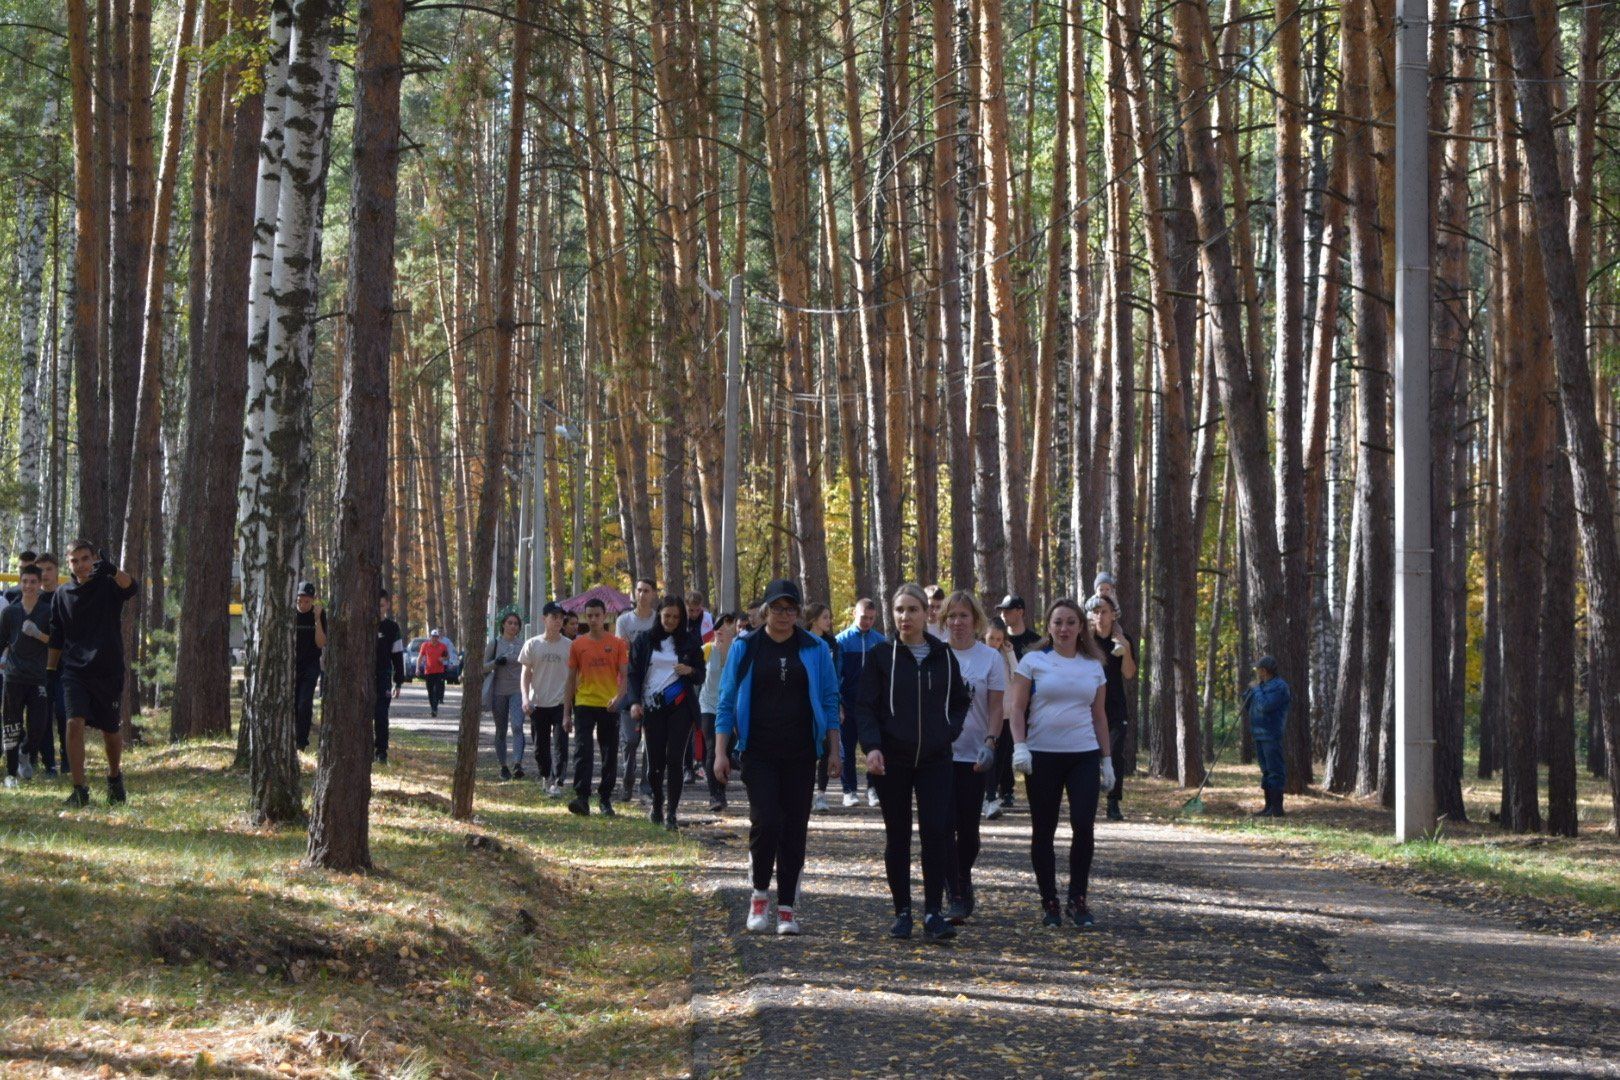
[1216, 955]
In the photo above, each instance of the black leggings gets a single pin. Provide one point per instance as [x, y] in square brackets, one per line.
[932, 785]
[1054, 774]
[779, 820]
[1116, 749]
[967, 801]
[665, 733]
[1004, 776]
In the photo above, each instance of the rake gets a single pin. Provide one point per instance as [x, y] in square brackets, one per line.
[1195, 805]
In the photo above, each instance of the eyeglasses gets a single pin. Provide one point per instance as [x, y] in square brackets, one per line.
[783, 609]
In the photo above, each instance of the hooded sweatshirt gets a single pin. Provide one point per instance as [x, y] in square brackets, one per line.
[912, 709]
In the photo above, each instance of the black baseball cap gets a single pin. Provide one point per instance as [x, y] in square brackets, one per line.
[552, 608]
[1011, 600]
[306, 588]
[783, 589]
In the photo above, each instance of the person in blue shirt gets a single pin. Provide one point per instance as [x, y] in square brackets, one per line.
[779, 704]
[1266, 705]
[854, 646]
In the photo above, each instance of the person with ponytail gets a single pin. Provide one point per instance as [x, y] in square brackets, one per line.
[1057, 709]
[910, 709]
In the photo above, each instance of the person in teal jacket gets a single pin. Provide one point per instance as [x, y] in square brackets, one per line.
[779, 701]
[1266, 704]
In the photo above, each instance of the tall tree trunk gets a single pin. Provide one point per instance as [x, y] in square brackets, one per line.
[1534, 72]
[339, 833]
[495, 436]
[88, 228]
[1007, 328]
[275, 465]
[950, 115]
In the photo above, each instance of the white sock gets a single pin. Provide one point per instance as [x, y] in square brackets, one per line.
[760, 894]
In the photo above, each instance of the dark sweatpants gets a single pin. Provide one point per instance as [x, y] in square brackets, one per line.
[305, 680]
[379, 716]
[666, 732]
[967, 805]
[779, 792]
[1116, 750]
[931, 783]
[593, 725]
[550, 740]
[1053, 776]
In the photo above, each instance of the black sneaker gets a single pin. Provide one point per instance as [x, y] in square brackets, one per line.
[956, 915]
[902, 925]
[517, 773]
[656, 814]
[606, 809]
[79, 797]
[968, 900]
[935, 928]
[506, 774]
[1113, 811]
[717, 806]
[1009, 802]
[580, 806]
[115, 789]
[1053, 914]
[670, 823]
[50, 772]
[1078, 913]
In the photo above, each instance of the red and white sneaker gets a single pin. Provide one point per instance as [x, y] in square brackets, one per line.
[786, 924]
[759, 915]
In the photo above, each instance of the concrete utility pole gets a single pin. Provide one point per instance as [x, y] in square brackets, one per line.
[1414, 582]
[729, 600]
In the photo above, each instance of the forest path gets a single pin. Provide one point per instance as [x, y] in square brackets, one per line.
[1217, 953]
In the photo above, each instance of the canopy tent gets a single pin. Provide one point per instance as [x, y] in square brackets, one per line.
[614, 600]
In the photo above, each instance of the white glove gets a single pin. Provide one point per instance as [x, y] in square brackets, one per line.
[1023, 762]
[986, 759]
[1107, 774]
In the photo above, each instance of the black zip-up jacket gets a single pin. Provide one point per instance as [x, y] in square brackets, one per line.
[688, 651]
[913, 711]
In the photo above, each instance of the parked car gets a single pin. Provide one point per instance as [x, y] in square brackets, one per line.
[452, 667]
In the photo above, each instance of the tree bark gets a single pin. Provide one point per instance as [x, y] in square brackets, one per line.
[87, 296]
[339, 834]
[495, 436]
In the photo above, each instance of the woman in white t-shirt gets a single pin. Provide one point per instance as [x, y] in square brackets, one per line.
[1061, 746]
[973, 754]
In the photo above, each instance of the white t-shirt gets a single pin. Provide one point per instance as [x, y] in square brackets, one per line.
[660, 670]
[1060, 701]
[547, 662]
[984, 671]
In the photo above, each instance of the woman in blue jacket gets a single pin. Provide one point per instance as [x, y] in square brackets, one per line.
[779, 702]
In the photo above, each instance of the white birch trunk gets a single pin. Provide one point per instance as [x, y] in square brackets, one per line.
[276, 460]
[31, 278]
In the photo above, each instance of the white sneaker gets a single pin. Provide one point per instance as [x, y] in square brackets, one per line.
[759, 912]
[851, 799]
[786, 924]
[25, 769]
[992, 809]
[555, 790]
[819, 803]
[871, 796]
[11, 782]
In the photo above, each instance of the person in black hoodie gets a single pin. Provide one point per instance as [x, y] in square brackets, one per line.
[666, 668]
[910, 708]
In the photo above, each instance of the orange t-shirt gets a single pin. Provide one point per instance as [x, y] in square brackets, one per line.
[432, 657]
[598, 663]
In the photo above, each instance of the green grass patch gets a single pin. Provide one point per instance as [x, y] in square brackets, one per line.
[170, 937]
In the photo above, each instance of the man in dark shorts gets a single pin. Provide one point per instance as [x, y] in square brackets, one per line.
[87, 648]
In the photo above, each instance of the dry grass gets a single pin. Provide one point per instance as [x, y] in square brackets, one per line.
[171, 938]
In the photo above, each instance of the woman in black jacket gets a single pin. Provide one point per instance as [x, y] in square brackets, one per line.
[666, 668]
[910, 707]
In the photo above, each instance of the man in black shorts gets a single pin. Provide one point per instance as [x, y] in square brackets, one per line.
[87, 647]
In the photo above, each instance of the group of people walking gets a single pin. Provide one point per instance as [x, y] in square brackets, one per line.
[62, 659]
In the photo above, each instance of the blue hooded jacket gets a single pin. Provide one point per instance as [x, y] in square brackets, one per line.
[737, 688]
[854, 644]
[1267, 705]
